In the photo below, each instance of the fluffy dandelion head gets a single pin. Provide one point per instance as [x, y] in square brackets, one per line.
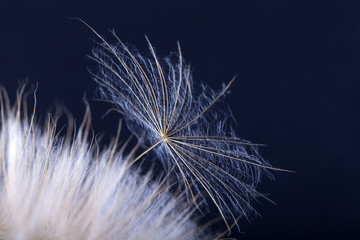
[183, 124]
[53, 187]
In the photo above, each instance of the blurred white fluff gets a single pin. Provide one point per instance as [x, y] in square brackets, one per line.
[55, 188]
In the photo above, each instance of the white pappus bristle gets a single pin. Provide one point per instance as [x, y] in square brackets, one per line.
[55, 188]
[182, 125]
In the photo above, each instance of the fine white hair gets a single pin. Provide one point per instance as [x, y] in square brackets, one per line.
[54, 187]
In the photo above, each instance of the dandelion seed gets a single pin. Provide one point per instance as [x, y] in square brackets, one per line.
[160, 106]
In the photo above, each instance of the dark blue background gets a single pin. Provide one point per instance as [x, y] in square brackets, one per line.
[298, 68]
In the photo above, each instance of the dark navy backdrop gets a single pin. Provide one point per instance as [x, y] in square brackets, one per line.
[298, 68]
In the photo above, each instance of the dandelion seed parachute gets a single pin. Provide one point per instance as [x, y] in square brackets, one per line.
[161, 107]
[53, 188]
